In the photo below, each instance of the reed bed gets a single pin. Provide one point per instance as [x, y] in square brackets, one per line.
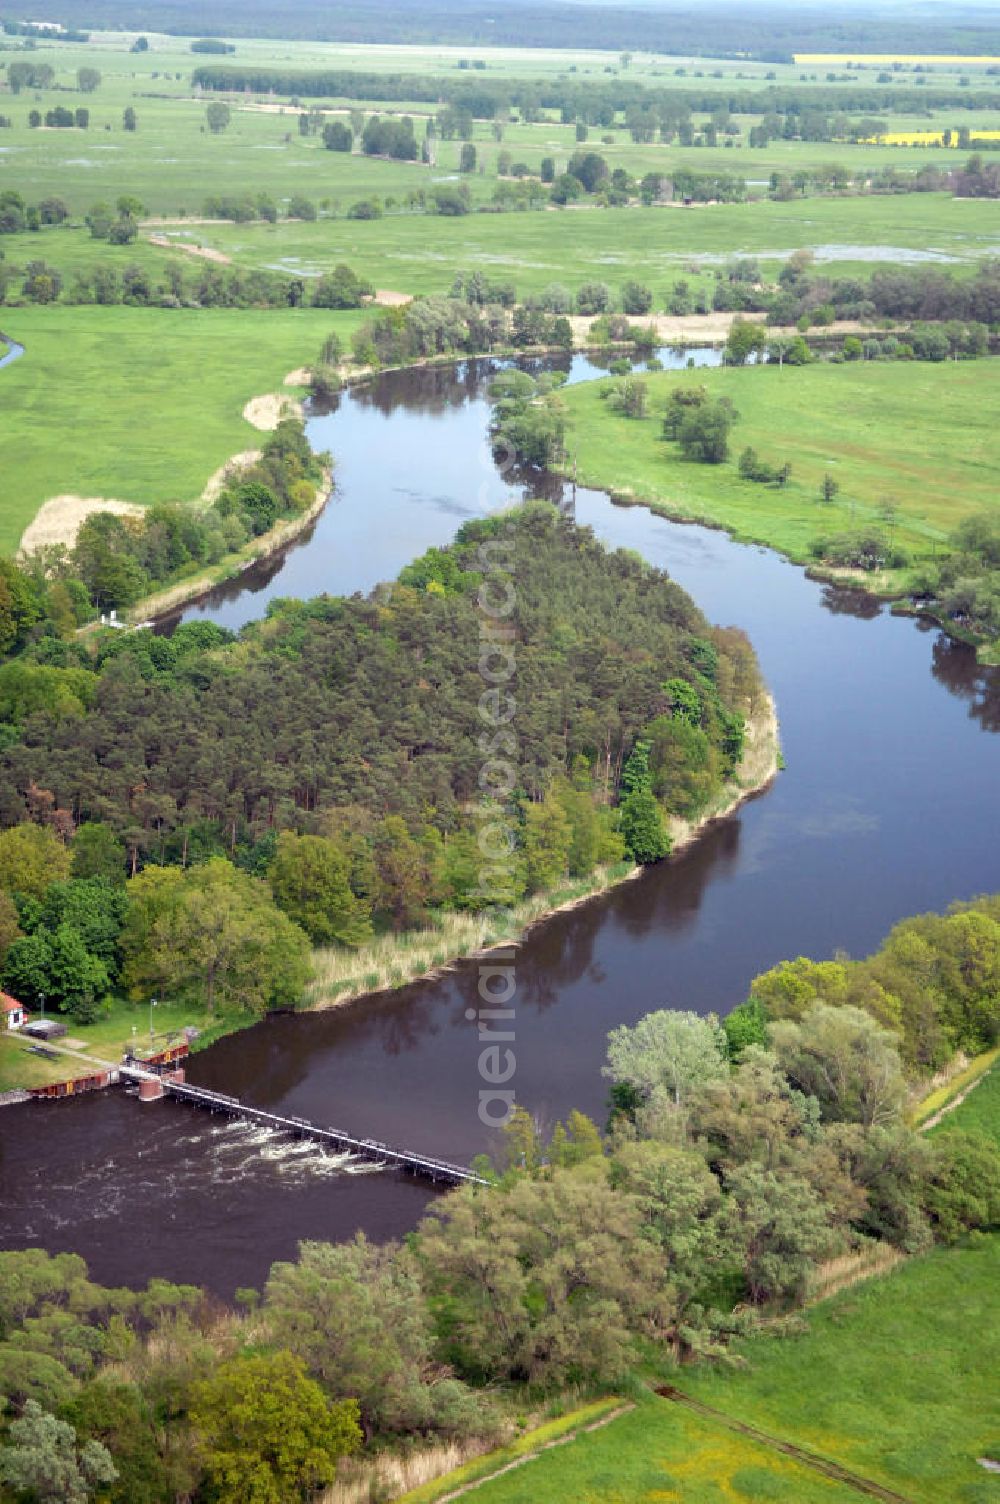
[394, 960]
[387, 1477]
[850, 1269]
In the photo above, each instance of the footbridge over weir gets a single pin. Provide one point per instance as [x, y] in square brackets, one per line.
[152, 1086]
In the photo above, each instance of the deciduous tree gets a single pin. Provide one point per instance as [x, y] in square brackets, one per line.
[267, 1433]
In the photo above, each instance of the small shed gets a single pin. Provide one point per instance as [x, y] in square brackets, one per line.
[14, 1014]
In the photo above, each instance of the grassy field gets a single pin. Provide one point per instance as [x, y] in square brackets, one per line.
[171, 162]
[655, 1454]
[421, 254]
[137, 403]
[891, 1379]
[917, 435]
[980, 1110]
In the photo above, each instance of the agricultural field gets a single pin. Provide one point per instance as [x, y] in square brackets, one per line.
[917, 437]
[171, 162]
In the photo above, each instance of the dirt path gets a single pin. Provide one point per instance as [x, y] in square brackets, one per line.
[204, 251]
[546, 1446]
[936, 1117]
[819, 1464]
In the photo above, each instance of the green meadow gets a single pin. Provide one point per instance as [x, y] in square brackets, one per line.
[137, 403]
[915, 436]
[421, 254]
[891, 1379]
[979, 1112]
[655, 1454]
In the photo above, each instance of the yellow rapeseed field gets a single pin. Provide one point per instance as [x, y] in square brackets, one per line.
[929, 138]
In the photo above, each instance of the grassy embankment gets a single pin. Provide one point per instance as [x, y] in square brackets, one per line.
[943, 1103]
[917, 436]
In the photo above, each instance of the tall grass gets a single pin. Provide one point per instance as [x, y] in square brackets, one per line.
[394, 960]
[388, 1477]
[850, 1269]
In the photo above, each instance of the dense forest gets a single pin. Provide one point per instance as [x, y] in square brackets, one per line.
[737, 1159]
[766, 31]
[331, 761]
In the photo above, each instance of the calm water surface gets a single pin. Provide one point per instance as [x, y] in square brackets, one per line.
[888, 806]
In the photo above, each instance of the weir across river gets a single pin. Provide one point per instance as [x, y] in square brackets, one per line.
[440, 1171]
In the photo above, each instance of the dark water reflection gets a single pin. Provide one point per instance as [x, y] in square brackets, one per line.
[888, 807]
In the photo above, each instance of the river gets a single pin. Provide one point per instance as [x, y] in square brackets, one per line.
[888, 806]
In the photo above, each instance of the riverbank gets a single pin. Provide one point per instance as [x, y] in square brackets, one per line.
[394, 961]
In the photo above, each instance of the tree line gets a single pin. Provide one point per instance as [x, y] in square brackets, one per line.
[963, 587]
[436, 326]
[593, 102]
[737, 1158]
[175, 285]
[727, 31]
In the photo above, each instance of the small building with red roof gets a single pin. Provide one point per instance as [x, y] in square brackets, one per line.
[14, 1015]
